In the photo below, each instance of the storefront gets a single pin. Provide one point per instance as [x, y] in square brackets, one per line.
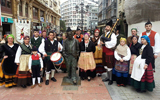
[6, 27]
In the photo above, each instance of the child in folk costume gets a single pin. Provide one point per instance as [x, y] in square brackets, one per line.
[86, 61]
[122, 55]
[35, 66]
[23, 76]
[142, 72]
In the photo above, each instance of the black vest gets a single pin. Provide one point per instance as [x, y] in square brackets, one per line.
[36, 42]
[49, 47]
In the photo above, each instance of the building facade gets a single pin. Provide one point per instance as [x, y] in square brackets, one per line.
[43, 14]
[73, 19]
[107, 11]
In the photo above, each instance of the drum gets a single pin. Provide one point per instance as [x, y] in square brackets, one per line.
[57, 58]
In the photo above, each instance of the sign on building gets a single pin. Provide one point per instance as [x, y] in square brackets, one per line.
[22, 29]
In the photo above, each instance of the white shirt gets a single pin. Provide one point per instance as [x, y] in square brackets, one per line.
[156, 47]
[30, 62]
[18, 54]
[112, 43]
[42, 47]
[126, 58]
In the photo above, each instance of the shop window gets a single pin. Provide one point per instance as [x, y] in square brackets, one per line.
[6, 6]
[26, 10]
[20, 8]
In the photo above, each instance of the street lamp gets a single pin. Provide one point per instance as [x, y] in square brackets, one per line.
[82, 11]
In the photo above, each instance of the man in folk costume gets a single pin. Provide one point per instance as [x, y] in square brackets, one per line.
[71, 52]
[36, 41]
[78, 35]
[118, 34]
[154, 40]
[47, 48]
[108, 52]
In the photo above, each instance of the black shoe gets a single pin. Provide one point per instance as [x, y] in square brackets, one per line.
[41, 80]
[99, 75]
[110, 82]
[89, 79]
[10, 87]
[23, 86]
[28, 84]
[47, 82]
[82, 78]
[142, 91]
[53, 79]
[105, 80]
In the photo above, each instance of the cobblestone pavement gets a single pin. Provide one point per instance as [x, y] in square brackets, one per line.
[93, 90]
[129, 93]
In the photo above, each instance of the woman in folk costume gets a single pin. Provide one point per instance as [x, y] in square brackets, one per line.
[122, 55]
[98, 54]
[23, 76]
[8, 67]
[142, 72]
[86, 61]
[134, 47]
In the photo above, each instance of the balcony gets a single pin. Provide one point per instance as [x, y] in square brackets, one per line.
[55, 2]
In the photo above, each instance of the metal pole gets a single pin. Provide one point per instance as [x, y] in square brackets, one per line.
[82, 18]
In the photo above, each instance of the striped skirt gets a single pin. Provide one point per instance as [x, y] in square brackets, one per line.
[7, 80]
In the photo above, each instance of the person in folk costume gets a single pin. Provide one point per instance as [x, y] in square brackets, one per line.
[35, 66]
[47, 48]
[108, 53]
[142, 72]
[63, 66]
[98, 53]
[23, 76]
[118, 35]
[154, 40]
[122, 55]
[78, 35]
[134, 47]
[86, 61]
[8, 67]
[22, 34]
[71, 53]
[134, 33]
[44, 35]
[36, 41]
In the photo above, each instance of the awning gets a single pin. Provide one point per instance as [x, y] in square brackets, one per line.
[101, 25]
[7, 20]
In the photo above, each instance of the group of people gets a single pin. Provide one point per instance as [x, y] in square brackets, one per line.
[125, 60]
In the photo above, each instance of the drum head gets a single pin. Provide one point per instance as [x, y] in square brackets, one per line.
[55, 57]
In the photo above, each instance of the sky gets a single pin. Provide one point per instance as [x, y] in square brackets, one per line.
[66, 0]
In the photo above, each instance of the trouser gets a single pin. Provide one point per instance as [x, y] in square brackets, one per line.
[71, 64]
[35, 71]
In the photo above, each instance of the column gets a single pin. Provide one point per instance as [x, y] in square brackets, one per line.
[23, 7]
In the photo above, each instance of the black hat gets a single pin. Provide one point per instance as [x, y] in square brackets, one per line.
[109, 23]
[34, 48]
[69, 29]
[78, 29]
[36, 29]
[149, 22]
[118, 27]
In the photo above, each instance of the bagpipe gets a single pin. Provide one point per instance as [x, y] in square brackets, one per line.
[108, 37]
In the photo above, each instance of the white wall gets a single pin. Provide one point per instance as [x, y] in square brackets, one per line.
[141, 27]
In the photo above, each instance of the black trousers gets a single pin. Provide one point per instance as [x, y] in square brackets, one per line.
[49, 65]
[87, 74]
[35, 71]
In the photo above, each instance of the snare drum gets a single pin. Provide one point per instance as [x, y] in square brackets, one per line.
[57, 58]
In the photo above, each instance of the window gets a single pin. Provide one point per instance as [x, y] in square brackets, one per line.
[20, 8]
[26, 9]
[6, 6]
[51, 19]
[35, 13]
[42, 13]
[54, 20]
